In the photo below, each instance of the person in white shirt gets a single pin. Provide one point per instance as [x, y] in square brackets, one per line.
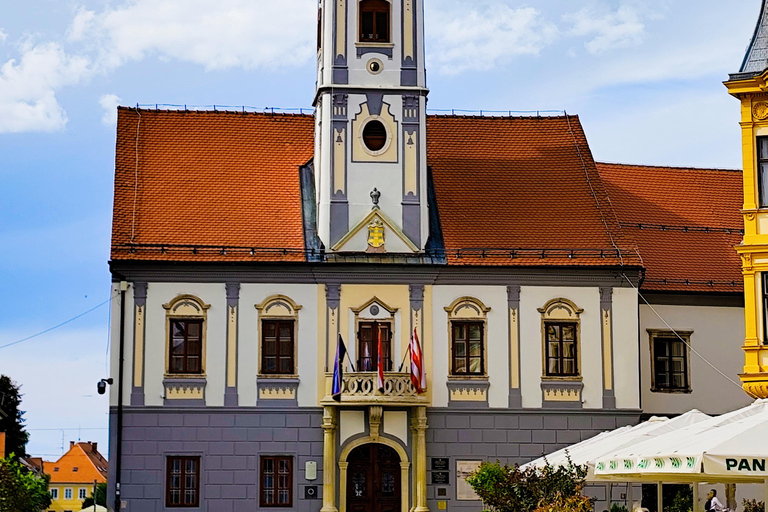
[716, 505]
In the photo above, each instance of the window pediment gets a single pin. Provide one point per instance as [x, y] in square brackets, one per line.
[467, 307]
[186, 306]
[374, 309]
[278, 306]
[560, 309]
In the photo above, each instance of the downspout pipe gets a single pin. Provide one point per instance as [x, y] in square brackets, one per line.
[119, 447]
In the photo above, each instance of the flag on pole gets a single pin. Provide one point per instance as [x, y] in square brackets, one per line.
[338, 370]
[418, 375]
[380, 362]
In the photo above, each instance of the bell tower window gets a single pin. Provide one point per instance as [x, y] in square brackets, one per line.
[374, 135]
[374, 21]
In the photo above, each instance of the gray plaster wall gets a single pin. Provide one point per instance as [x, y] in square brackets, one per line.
[510, 437]
[229, 443]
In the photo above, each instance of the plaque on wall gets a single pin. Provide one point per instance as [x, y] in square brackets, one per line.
[464, 468]
[440, 464]
[440, 477]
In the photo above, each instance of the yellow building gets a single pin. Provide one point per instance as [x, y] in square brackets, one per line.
[750, 86]
[73, 476]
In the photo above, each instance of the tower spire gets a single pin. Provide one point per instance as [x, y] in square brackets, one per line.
[756, 59]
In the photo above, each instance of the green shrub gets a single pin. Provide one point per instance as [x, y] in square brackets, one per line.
[753, 506]
[547, 489]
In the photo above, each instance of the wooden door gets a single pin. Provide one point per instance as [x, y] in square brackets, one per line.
[373, 479]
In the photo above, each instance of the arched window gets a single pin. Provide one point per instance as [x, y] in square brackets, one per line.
[467, 319]
[374, 21]
[561, 328]
[186, 315]
[278, 318]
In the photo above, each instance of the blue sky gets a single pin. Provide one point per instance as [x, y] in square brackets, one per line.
[644, 75]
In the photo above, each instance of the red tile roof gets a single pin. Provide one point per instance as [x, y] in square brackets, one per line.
[209, 179]
[522, 185]
[685, 221]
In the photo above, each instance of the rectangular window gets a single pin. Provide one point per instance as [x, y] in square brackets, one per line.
[186, 346]
[277, 347]
[276, 482]
[54, 494]
[561, 350]
[467, 345]
[765, 306]
[81, 494]
[368, 346]
[67, 494]
[670, 363]
[762, 170]
[374, 21]
[182, 482]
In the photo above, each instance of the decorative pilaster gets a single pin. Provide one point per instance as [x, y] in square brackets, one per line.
[416, 294]
[329, 460]
[513, 302]
[332, 301]
[419, 430]
[606, 314]
[233, 301]
[139, 309]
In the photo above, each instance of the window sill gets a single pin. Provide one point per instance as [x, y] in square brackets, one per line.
[552, 378]
[374, 45]
[672, 391]
[467, 377]
[184, 376]
[277, 376]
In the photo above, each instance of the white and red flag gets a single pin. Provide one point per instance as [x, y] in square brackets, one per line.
[418, 375]
[379, 362]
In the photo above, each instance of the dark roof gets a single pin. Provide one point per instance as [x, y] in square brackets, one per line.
[685, 221]
[756, 58]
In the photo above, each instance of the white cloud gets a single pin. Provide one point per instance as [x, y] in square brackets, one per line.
[619, 29]
[215, 35]
[80, 25]
[28, 88]
[3, 35]
[109, 103]
[471, 36]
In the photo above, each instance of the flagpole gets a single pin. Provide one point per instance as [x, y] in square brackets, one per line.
[403, 362]
[349, 358]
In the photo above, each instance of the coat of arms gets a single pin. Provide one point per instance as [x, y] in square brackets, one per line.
[376, 234]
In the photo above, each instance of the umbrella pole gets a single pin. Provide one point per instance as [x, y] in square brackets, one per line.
[659, 498]
[765, 492]
[695, 497]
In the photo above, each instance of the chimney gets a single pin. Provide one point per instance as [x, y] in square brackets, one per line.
[71, 444]
[2, 445]
[93, 447]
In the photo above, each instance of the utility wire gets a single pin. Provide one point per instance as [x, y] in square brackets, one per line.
[59, 325]
[680, 337]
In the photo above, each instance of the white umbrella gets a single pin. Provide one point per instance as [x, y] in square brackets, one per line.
[589, 451]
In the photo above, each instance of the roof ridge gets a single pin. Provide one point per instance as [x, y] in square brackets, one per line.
[183, 110]
[676, 167]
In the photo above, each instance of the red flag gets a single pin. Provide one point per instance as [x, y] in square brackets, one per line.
[418, 375]
[380, 361]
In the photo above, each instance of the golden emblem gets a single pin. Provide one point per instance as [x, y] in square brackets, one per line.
[760, 111]
[376, 233]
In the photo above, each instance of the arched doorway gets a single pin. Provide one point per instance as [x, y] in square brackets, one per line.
[373, 479]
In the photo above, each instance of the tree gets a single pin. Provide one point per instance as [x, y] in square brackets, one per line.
[548, 489]
[12, 419]
[20, 489]
[100, 495]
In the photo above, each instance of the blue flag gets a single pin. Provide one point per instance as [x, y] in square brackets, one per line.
[338, 371]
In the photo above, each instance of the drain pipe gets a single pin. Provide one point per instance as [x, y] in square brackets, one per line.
[119, 452]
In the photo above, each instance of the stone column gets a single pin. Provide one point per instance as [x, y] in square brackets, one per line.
[419, 428]
[139, 308]
[606, 312]
[329, 460]
[233, 300]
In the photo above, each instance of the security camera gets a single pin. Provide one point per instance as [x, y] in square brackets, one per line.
[101, 387]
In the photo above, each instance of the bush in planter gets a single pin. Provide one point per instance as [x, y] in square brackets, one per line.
[547, 489]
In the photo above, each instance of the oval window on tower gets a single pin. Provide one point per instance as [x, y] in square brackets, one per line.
[374, 135]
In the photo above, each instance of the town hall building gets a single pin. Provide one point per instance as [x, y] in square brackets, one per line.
[245, 245]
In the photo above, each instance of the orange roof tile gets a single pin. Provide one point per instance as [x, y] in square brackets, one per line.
[685, 221]
[209, 179]
[521, 185]
[81, 464]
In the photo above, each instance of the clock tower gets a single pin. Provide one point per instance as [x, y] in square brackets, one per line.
[370, 149]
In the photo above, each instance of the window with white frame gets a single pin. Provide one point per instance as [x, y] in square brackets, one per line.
[67, 493]
[82, 493]
[54, 493]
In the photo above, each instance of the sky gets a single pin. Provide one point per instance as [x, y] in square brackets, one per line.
[645, 77]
